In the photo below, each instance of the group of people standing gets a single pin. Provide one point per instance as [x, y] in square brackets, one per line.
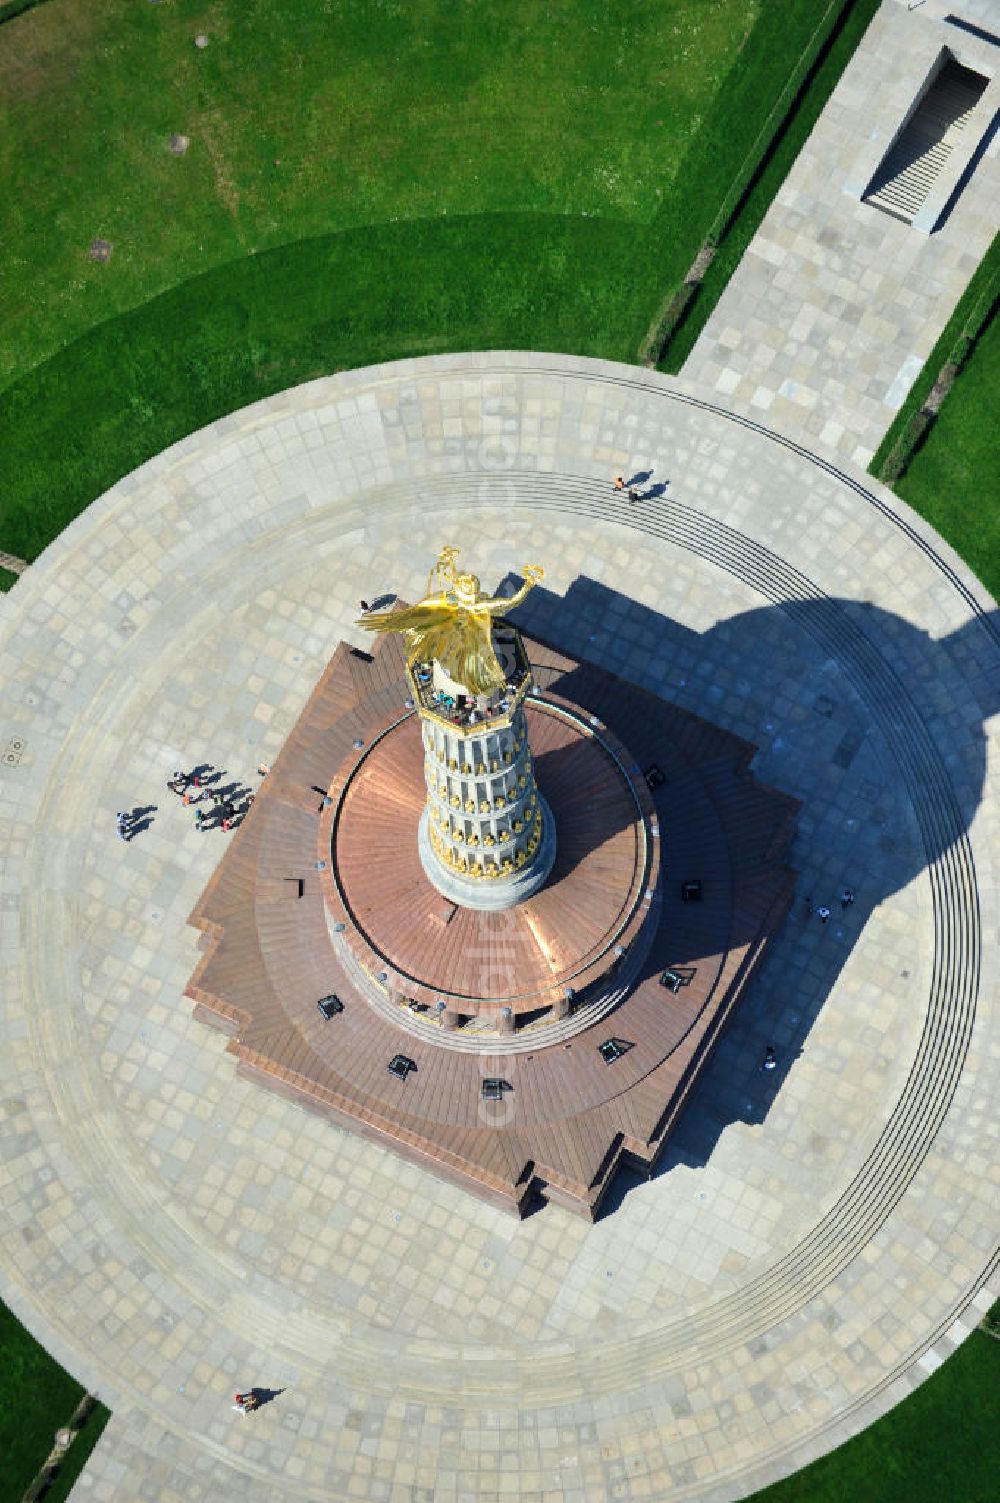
[213, 809]
[223, 811]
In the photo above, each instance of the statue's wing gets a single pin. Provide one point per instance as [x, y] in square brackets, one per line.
[470, 657]
[420, 617]
[458, 638]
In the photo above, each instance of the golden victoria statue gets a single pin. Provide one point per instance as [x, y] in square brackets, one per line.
[452, 624]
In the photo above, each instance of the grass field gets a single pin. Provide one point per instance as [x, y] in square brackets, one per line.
[307, 118]
[620, 139]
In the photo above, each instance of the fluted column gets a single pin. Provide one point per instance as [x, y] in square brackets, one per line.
[485, 820]
[487, 838]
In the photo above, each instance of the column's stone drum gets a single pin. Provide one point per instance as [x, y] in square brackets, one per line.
[487, 837]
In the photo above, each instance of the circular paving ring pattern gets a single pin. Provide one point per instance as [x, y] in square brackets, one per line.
[811, 1245]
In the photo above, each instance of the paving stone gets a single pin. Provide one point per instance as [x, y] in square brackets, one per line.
[826, 347]
[173, 1233]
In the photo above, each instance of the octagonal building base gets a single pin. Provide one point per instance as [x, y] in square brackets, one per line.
[519, 1053]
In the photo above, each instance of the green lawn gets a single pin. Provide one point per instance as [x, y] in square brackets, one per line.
[307, 118]
[41, 1398]
[954, 478]
[940, 1446]
[525, 185]
[129, 387]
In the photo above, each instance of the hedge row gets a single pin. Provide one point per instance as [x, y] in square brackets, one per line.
[9, 9]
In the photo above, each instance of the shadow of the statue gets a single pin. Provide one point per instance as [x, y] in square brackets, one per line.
[873, 724]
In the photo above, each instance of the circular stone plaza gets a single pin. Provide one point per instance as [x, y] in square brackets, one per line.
[814, 1238]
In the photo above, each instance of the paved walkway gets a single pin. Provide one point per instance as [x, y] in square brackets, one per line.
[818, 1238]
[835, 306]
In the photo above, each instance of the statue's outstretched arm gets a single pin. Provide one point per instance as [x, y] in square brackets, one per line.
[499, 605]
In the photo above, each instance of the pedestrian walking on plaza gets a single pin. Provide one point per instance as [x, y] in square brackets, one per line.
[619, 482]
[823, 913]
[244, 1402]
[365, 607]
[846, 898]
[178, 783]
[199, 819]
[123, 829]
[770, 1059]
[263, 769]
[633, 497]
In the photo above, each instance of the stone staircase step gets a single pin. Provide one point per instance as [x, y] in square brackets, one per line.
[922, 149]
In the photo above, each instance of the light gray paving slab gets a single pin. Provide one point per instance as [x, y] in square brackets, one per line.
[172, 1233]
[836, 305]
